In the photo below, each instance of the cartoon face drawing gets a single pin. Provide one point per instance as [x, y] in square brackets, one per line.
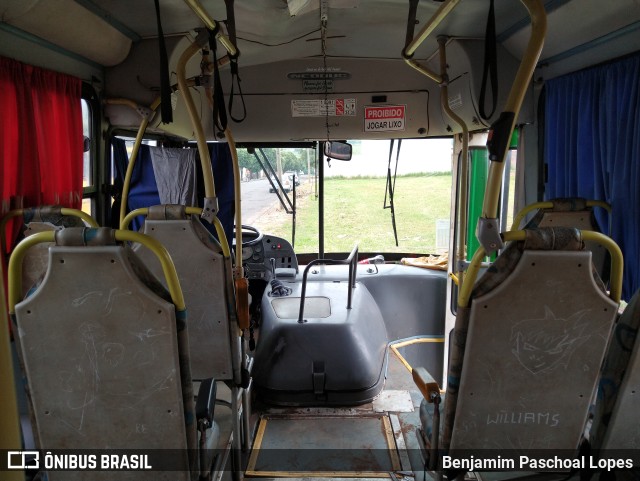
[542, 344]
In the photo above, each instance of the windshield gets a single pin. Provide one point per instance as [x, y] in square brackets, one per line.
[358, 196]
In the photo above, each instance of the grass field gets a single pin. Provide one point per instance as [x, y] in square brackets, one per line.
[354, 214]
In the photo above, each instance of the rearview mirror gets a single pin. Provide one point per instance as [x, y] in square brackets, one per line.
[337, 150]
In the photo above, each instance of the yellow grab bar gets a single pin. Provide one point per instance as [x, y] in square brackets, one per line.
[205, 158]
[134, 153]
[444, 10]
[90, 221]
[237, 200]
[514, 101]
[549, 205]
[226, 251]
[617, 263]
[211, 24]
[464, 166]
[10, 437]
[169, 270]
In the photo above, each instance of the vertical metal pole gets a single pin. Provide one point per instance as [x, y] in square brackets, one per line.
[320, 200]
[9, 419]
[463, 191]
[293, 223]
[246, 402]
[236, 444]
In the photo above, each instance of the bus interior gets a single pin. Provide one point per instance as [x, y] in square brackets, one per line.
[319, 239]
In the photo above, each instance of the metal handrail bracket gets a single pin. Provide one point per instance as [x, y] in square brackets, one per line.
[352, 261]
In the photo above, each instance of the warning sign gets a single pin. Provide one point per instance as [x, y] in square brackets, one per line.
[317, 108]
[384, 118]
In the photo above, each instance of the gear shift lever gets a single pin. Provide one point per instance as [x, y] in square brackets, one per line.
[278, 289]
[273, 267]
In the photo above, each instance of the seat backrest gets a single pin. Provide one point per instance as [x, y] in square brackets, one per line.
[616, 418]
[578, 213]
[42, 219]
[104, 355]
[206, 280]
[527, 349]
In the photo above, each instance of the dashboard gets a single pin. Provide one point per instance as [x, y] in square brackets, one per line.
[256, 258]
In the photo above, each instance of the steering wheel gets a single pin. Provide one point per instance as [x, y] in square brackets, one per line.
[254, 236]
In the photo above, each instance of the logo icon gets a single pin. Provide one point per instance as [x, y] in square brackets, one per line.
[23, 460]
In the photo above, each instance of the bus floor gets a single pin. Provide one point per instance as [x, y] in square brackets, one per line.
[370, 441]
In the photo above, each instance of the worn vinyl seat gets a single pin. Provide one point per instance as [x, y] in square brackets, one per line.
[102, 344]
[616, 423]
[536, 323]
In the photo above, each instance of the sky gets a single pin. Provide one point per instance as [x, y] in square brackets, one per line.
[371, 158]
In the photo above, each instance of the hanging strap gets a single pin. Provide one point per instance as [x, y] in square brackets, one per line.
[235, 79]
[233, 62]
[411, 22]
[490, 65]
[219, 111]
[166, 109]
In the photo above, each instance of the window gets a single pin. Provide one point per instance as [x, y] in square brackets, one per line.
[88, 183]
[356, 193]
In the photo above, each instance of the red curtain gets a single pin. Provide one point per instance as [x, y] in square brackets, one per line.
[41, 140]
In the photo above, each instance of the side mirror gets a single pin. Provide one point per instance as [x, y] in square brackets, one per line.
[337, 150]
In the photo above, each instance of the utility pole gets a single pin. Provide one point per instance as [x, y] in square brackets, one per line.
[308, 166]
[279, 165]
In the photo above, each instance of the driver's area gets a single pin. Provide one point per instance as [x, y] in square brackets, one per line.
[266, 256]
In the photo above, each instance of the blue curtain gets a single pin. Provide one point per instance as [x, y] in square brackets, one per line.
[592, 149]
[143, 191]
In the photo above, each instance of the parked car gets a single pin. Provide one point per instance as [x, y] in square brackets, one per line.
[293, 177]
[286, 184]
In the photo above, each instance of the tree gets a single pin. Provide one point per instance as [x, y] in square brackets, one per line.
[248, 161]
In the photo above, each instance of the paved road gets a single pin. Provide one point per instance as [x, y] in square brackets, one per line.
[255, 199]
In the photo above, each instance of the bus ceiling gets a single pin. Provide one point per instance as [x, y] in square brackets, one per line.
[282, 62]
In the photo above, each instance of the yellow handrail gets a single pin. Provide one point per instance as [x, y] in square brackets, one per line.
[211, 24]
[134, 153]
[463, 180]
[205, 158]
[124, 225]
[237, 200]
[429, 27]
[549, 205]
[226, 251]
[523, 212]
[90, 221]
[617, 263]
[14, 272]
[169, 270]
[10, 437]
[514, 101]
